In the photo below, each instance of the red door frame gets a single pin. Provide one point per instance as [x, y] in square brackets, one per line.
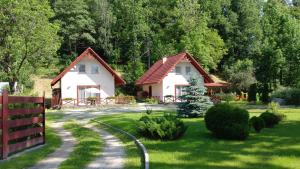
[86, 86]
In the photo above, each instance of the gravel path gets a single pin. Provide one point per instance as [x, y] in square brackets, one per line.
[62, 153]
[112, 156]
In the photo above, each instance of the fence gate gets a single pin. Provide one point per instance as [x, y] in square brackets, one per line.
[22, 123]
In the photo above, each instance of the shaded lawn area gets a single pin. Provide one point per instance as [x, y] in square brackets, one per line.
[29, 158]
[88, 147]
[275, 148]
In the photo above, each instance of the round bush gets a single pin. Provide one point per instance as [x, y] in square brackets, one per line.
[257, 123]
[270, 119]
[167, 127]
[227, 121]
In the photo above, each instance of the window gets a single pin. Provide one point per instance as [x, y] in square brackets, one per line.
[188, 70]
[95, 69]
[180, 90]
[178, 70]
[81, 68]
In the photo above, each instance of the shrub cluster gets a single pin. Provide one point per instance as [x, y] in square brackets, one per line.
[166, 127]
[151, 100]
[290, 95]
[226, 96]
[228, 122]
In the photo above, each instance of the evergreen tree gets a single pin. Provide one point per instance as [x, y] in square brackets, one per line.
[194, 102]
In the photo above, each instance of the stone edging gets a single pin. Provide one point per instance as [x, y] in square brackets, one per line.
[137, 142]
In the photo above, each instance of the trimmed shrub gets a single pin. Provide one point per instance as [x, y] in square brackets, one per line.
[227, 121]
[166, 127]
[270, 119]
[257, 123]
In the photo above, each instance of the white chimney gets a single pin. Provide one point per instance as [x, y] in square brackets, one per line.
[164, 59]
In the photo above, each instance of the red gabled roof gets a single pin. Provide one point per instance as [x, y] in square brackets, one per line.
[159, 70]
[118, 79]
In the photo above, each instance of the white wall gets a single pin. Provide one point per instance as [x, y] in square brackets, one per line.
[156, 90]
[173, 79]
[167, 86]
[72, 79]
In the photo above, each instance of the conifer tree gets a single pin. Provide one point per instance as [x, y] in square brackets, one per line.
[195, 103]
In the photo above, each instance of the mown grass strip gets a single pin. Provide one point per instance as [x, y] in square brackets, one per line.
[31, 157]
[88, 147]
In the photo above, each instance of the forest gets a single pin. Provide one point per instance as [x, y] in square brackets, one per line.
[246, 42]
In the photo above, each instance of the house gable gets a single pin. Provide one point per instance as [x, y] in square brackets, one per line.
[90, 54]
[162, 67]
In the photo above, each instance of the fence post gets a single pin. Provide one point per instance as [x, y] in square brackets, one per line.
[44, 119]
[4, 124]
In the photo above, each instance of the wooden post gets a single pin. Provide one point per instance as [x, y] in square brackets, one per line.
[4, 124]
[44, 119]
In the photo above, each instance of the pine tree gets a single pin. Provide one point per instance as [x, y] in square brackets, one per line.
[195, 103]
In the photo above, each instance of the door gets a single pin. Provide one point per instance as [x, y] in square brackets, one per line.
[86, 92]
[150, 91]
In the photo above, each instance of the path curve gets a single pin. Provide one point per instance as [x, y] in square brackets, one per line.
[112, 155]
[54, 159]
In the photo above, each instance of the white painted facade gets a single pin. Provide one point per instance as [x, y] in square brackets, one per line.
[173, 79]
[73, 78]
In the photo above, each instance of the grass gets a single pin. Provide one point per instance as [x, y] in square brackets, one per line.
[88, 147]
[28, 159]
[275, 148]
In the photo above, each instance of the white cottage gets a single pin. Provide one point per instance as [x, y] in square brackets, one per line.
[168, 76]
[88, 76]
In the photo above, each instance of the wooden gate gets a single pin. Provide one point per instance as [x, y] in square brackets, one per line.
[22, 123]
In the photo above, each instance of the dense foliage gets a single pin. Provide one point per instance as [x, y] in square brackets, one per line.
[194, 102]
[248, 40]
[257, 123]
[166, 127]
[227, 121]
[27, 39]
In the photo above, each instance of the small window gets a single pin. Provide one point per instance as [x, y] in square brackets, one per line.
[187, 70]
[178, 70]
[81, 68]
[95, 69]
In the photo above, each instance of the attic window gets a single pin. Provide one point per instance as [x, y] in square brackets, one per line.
[95, 69]
[81, 68]
[187, 70]
[178, 70]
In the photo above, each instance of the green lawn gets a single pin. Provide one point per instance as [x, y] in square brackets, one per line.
[88, 147]
[276, 148]
[30, 158]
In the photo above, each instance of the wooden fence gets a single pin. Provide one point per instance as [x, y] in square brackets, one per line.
[22, 123]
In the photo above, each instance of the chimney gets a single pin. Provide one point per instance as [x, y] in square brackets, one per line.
[164, 59]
